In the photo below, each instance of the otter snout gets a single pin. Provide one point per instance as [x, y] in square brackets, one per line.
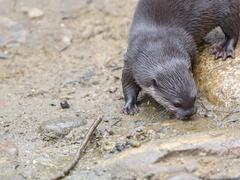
[185, 114]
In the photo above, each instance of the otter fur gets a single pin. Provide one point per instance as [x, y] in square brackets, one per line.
[163, 42]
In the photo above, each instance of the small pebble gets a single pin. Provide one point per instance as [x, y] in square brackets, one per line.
[184, 176]
[113, 90]
[34, 13]
[109, 146]
[3, 56]
[88, 32]
[149, 176]
[65, 105]
[8, 148]
[135, 144]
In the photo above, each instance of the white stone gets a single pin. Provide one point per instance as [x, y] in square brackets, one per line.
[33, 13]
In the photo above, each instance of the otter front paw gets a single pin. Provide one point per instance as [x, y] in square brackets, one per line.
[130, 109]
[224, 50]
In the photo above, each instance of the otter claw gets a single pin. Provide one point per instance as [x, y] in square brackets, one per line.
[130, 110]
[223, 51]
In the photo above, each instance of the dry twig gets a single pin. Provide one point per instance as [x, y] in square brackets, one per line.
[81, 150]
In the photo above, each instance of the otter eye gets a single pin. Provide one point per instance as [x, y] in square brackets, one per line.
[154, 83]
[178, 105]
[194, 99]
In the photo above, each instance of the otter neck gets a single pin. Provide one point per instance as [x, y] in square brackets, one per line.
[179, 38]
[170, 35]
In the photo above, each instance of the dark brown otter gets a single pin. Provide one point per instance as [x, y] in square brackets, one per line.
[163, 42]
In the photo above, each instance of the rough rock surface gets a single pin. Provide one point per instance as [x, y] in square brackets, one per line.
[198, 156]
[219, 80]
[58, 128]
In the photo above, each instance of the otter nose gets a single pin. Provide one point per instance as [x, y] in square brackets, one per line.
[187, 114]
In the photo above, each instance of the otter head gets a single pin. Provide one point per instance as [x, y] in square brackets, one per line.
[173, 86]
[161, 62]
[170, 82]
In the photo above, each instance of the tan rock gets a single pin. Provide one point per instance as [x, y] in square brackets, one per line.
[219, 80]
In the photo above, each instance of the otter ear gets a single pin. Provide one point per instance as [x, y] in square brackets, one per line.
[154, 83]
[190, 67]
[125, 57]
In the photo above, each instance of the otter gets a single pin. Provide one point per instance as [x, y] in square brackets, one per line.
[163, 41]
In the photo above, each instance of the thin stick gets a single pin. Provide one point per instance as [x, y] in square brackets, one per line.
[80, 151]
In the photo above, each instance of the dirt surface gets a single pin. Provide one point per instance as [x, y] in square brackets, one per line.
[60, 69]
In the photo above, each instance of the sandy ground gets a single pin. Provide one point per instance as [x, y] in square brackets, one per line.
[72, 51]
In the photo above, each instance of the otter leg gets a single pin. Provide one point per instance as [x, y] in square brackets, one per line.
[130, 91]
[231, 28]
